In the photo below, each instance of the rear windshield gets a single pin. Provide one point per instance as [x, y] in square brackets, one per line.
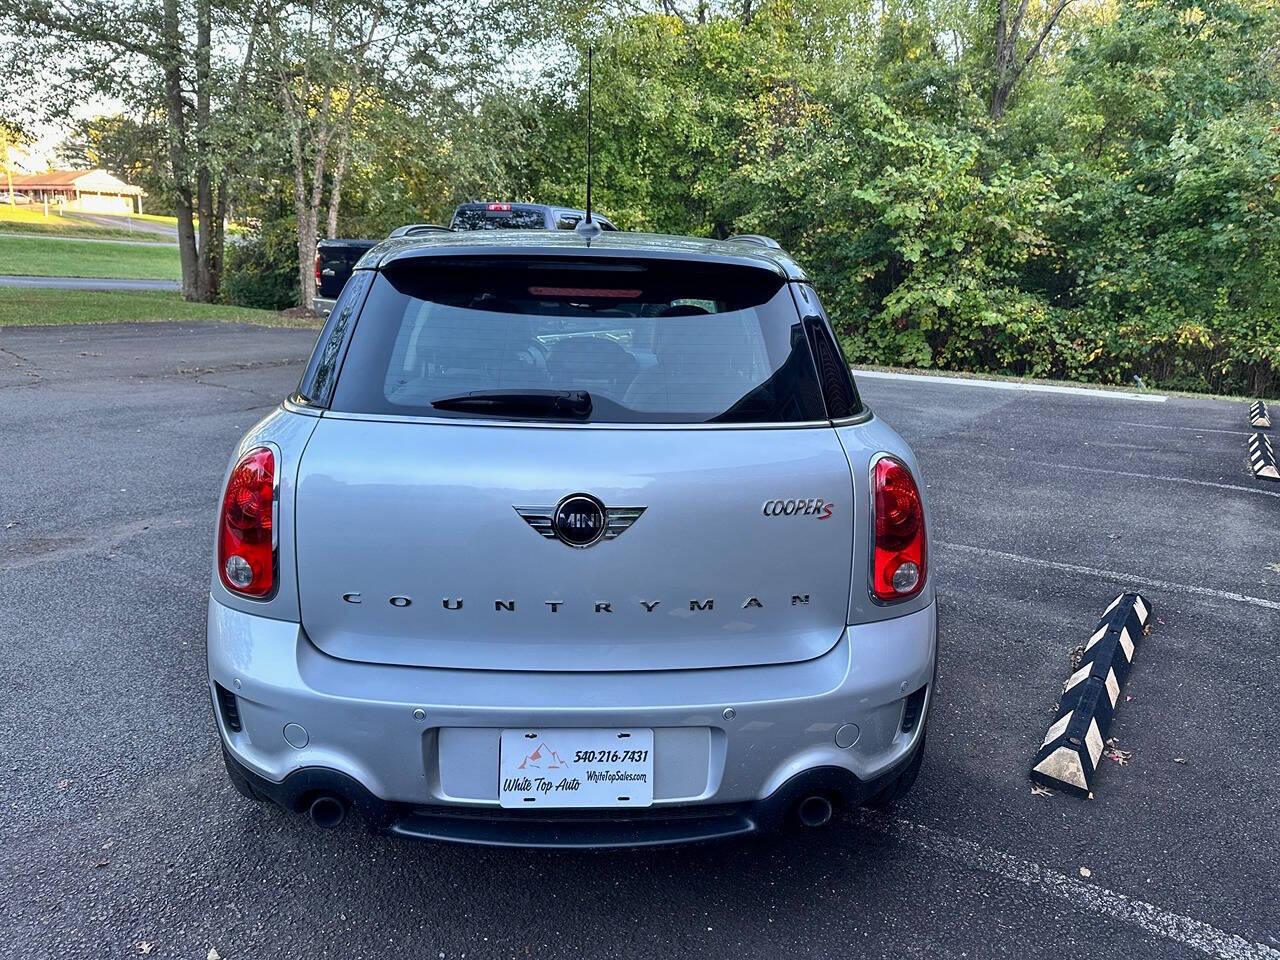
[481, 218]
[647, 341]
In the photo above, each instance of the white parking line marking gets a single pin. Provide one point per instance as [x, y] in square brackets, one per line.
[1186, 931]
[1178, 426]
[1147, 476]
[1127, 578]
[1011, 385]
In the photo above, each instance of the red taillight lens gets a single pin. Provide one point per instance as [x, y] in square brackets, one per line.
[898, 563]
[317, 268]
[246, 548]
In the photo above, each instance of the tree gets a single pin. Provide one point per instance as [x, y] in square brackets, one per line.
[324, 59]
[11, 135]
[158, 55]
[133, 148]
[1009, 61]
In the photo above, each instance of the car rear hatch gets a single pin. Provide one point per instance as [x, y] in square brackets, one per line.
[427, 524]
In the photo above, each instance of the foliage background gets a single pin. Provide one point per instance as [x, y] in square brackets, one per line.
[1119, 219]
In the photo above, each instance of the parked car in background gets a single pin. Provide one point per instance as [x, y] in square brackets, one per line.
[521, 216]
[335, 259]
[573, 541]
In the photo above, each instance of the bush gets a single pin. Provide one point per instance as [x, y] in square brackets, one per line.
[1122, 220]
[262, 268]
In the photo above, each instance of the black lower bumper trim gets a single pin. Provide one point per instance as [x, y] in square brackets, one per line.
[562, 833]
[569, 829]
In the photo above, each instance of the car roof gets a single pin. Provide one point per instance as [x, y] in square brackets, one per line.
[562, 243]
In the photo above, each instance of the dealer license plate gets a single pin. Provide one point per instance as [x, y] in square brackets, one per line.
[554, 767]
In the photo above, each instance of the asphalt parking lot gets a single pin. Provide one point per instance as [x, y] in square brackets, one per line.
[120, 835]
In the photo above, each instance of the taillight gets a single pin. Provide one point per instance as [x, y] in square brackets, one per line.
[898, 563]
[246, 534]
[317, 268]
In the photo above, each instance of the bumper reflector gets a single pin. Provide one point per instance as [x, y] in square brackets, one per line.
[229, 707]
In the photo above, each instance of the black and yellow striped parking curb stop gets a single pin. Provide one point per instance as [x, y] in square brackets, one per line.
[1262, 459]
[1068, 758]
[1258, 416]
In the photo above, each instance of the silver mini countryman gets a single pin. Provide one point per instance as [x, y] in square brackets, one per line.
[573, 541]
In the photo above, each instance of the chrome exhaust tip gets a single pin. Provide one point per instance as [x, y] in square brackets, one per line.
[814, 811]
[327, 812]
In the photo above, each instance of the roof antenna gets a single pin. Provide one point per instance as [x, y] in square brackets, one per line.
[588, 227]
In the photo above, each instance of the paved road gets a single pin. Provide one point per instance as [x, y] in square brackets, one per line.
[118, 828]
[88, 283]
[128, 223]
[45, 236]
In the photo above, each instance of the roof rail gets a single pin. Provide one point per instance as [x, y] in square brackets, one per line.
[759, 238]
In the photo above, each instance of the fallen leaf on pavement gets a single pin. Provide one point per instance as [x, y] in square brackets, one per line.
[213, 955]
[1039, 791]
[1179, 759]
[1086, 872]
[145, 947]
[1121, 757]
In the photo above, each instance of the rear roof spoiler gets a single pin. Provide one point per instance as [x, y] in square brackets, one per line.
[415, 229]
[758, 238]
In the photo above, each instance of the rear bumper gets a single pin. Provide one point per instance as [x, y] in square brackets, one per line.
[415, 749]
[580, 829]
[323, 305]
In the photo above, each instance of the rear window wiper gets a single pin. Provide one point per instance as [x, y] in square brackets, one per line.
[574, 404]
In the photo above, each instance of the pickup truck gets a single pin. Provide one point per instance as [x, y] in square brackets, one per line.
[520, 216]
[335, 259]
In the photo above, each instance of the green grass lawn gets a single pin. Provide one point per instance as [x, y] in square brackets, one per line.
[24, 306]
[31, 220]
[56, 257]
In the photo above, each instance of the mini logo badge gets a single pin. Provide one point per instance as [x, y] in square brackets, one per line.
[580, 520]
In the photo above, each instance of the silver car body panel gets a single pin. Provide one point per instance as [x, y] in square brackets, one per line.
[427, 514]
